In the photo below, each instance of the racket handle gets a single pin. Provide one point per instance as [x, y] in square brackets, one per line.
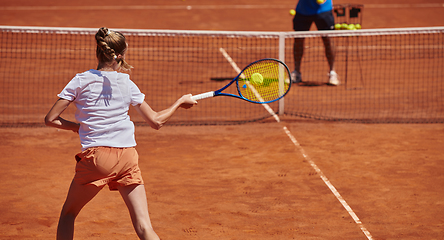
[203, 96]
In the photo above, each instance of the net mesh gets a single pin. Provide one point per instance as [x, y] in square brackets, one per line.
[391, 75]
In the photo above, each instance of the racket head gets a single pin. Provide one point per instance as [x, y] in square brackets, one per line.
[274, 83]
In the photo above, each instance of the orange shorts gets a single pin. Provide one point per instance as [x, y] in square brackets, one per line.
[108, 165]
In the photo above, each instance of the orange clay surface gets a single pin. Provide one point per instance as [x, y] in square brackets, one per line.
[233, 182]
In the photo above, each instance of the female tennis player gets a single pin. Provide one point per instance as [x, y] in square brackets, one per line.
[108, 156]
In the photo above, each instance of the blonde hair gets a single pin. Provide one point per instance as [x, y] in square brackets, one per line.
[109, 45]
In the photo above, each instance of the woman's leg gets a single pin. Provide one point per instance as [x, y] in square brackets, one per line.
[135, 199]
[78, 197]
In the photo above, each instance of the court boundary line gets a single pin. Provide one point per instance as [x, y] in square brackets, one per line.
[329, 184]
[196, 7]
[307, 158]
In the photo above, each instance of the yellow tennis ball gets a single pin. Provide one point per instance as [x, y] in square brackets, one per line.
[338, 26]
[320, 1]
[358, 26]
[344, 26]
[257, 78]
[292, 12]
[351, 27]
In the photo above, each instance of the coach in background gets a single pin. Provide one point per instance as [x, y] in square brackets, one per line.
[319, 12]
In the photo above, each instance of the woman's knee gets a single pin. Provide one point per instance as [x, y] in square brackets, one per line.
[68, 214]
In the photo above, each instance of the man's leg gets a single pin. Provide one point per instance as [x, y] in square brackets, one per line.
[329, 52]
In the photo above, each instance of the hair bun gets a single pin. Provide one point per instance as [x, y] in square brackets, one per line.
[104, 31]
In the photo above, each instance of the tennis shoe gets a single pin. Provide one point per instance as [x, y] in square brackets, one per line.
[296, 77]
[334, 78]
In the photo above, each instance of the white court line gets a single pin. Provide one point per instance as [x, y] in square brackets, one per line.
[195, 7]
[329, 184]
[308, 159]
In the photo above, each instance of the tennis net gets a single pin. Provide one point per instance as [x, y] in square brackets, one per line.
[387, 75]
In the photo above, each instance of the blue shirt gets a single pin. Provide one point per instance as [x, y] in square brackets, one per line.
[311, 7]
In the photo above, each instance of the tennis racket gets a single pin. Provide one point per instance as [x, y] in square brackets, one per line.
[263, 81]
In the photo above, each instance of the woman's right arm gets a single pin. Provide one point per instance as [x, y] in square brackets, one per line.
[157, 119]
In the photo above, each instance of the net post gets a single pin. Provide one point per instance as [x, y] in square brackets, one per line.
[282, 36]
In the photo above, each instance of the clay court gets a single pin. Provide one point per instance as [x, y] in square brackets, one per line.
[262, 180]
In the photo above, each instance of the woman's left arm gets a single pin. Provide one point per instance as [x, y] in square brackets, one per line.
[53, 118]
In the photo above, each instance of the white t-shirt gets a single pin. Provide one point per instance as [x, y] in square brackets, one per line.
[102, 99]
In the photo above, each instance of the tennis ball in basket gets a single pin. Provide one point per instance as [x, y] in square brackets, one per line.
[257, 78]
[292, 12]
[358, 26]
[338, 26]
[344, 26]
[351, 27]
[320, 1]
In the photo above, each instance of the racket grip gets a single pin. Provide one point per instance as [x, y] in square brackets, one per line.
[203, 96]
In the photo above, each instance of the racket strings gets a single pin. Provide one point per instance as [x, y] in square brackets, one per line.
[275, 82]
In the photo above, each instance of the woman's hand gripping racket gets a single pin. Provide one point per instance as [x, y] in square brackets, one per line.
[263, 81]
